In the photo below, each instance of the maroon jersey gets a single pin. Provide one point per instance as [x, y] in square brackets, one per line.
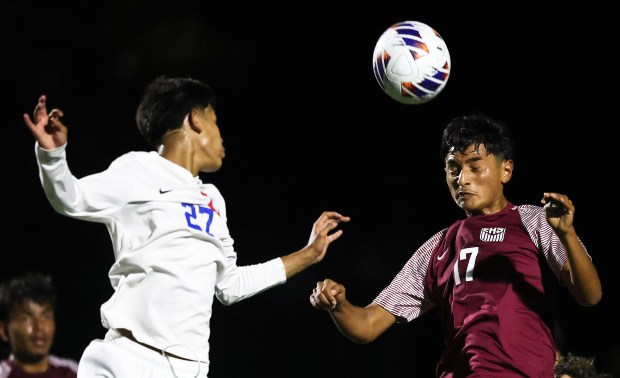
[492, 279]
[58, 368]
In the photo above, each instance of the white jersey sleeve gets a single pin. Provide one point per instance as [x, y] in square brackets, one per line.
[241, 282]
[92, 198]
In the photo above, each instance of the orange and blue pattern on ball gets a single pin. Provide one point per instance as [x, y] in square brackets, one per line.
[409, 89]
[411, 38]
[381, 61]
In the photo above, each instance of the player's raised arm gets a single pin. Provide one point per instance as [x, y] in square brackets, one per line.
[46, 128]
[579, 273]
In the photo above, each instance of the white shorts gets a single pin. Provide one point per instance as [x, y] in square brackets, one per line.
[119, 357]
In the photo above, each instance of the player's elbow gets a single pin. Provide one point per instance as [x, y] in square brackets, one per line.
[361, 340]
[226, 299]
[359, 335]
[589, 297]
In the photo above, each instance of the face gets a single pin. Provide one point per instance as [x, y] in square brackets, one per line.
[210, 141]
[476, 180]
[30, 330]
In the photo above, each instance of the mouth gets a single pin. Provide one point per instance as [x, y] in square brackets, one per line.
[40, 342]
[464, 195]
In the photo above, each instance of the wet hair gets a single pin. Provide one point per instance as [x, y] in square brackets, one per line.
[576, 366]
[476, 129]
[165, 103]
[35, 286]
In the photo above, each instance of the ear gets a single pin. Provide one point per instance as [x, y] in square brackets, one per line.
[4, 336]
[507, 167]
[193, 121]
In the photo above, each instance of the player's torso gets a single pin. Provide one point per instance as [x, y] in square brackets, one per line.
[165, 205]
[173, 211]
[490, 284]
[479, 259]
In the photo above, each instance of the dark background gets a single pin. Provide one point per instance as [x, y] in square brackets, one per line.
[307, 129]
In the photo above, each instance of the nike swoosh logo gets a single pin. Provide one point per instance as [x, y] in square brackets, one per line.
[161, 191]
[443, 254]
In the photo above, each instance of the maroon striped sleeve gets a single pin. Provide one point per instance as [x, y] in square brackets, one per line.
[406, 296]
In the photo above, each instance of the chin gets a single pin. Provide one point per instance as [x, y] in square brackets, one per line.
[212, 169]
[32, 356]
[461, 203]
[467, 206]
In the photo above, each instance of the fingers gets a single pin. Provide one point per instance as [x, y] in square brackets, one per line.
[327, 227]
[329, 220]
[324, 294]
[39, 115]
[28, 122]
[333, 216]
[41, 109]
[56, 113]
[54, 119]
[334, 236]
[557, 200]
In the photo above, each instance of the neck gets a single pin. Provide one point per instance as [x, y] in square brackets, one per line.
[492, 208]
[39, 366]
[179, 149]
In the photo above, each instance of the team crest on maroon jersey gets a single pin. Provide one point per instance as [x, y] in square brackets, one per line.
[493, 234]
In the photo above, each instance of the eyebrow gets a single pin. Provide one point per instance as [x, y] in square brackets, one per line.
[467, 161]
[473, 159]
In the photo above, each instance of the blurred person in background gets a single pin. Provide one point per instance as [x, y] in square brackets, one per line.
[28, 326]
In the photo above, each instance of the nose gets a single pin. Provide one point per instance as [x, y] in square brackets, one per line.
[37, 324]
[41, 323]
[462, 178]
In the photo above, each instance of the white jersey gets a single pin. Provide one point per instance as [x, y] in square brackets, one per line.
[172, 248]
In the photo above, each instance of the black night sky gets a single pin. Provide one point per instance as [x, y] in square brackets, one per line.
[307, 129]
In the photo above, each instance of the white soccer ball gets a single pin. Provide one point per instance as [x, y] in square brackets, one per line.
[411, 62]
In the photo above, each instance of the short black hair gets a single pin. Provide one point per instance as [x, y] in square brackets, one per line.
[35, 286]
[576, 366]
[476, 129]
[165, 103]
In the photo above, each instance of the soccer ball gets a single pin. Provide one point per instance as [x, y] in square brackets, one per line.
[411, 62]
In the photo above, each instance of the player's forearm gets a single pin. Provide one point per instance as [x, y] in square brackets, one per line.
[584, 283]
[56, 179]
[354, 322]
[242, 282]
[298, 261]
[64, 191]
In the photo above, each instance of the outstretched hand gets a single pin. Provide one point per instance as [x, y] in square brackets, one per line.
[47, 128]
[559, 211]
[327, 295]
[315, 250]
[320, 237]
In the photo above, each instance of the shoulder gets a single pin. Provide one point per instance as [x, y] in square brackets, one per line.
[5, 367]
[531, 215]
[219, 203]
[436, 238]
[135, 163]
[213, 192]
[132, 156]
[425, 251]
[63, 363]
[529, 209]
[211, 189]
